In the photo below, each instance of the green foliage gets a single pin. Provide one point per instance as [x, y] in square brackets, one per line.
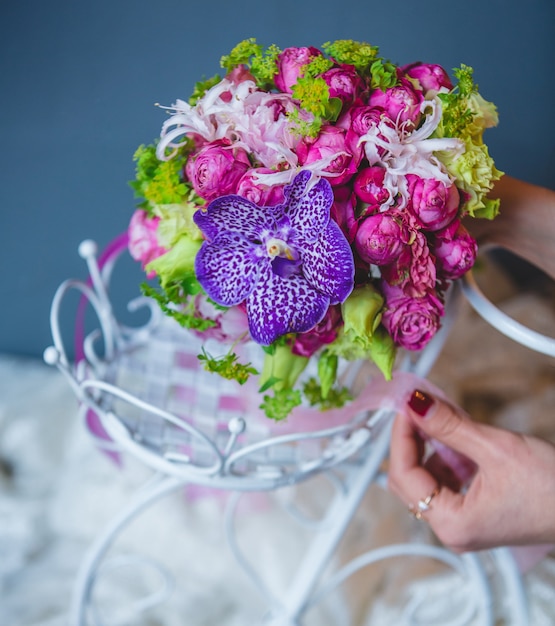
[278, 406]
[346, 51]
[158, 182]
[202, 87]
[456, 114]
[261, 62]
[384, 75]
[173, 302]
[227, 366]
[333, 398]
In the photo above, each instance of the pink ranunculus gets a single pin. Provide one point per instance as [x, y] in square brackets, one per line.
[232, 325]
[216, 169]
[381, 238]
[368, 186]
[343, 211]
[259, 193]
[431, 202]
[344, 83]
[455, 250]
[431, 77]
[411, 322]
[290, 63]
[330, 145]
[143, 242]
[325, 332]
[414, 270]
[401, 103]
[356, 121]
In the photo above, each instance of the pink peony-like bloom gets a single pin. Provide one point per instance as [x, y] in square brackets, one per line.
[330, 145]
[239, 74]
[357, 120]
[344, 83]
[431, 77]
[411, 322]
[455, 250]
[143, 242]
[414, 270]
[369, 187]
[343, 211]
[401, 103]
[290, 63]
[431, 202]
[259, 193]
[216, 169]
[325, 332]
[381, 238]
[232, 325]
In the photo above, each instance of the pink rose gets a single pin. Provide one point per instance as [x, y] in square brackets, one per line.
[216, 169]
[381, 238]
[239, 74]
[414, 270]
[290, 63]
[368, 186]
[259, 193]
[411, 322]
[330, 145]
[455, 250]
[143, 242]
[344, 83]
[325, 332]
[431, 77]
[356, 121]
[431, 202]
[232, 325]
[343, 211]
[401, 103]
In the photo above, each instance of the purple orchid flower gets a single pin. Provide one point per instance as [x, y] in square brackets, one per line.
[289, 262]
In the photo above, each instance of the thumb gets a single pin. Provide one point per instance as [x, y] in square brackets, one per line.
[450, 431]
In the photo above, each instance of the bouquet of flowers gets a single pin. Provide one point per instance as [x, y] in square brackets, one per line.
[311, 200]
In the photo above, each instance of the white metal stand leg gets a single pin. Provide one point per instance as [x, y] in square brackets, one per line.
[87, 572]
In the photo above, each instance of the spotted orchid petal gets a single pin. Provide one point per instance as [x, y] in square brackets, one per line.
[308, 204]
[278, 306]
[228, 268]
[235, 214]
[328, 264]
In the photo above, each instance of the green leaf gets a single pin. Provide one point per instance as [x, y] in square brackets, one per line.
[227, 366]
[383, 351]
[327, 371]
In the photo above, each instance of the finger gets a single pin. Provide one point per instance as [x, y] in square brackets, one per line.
[407, 477]
[450, 426]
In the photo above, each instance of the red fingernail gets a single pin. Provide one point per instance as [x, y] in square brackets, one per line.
[420, 402]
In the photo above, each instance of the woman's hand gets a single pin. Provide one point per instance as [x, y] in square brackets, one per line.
[496, 487]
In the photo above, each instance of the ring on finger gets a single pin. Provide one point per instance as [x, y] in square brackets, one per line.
[423, 505]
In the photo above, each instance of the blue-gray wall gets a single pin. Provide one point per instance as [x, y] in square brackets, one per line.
[78, 80]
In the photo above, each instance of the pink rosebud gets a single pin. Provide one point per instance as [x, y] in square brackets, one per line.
[455, 250]
[239, 74]
[259, 193]
[414, 270]
[401, 103]
[381, 238]
[368, 186]
[143, 242]
[325, 332]
[290, 63]
[232, 325]
[431, 202]
[431, 77]
[344, 83]
[216, 169]
[343, 211]
[357, 120]
[411, 322]
[330, 145]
